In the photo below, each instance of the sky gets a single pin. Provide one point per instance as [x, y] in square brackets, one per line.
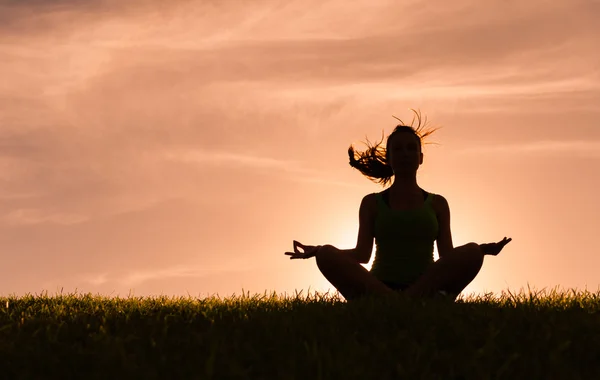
[178, 148]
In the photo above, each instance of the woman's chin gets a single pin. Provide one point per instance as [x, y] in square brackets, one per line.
[405, 173]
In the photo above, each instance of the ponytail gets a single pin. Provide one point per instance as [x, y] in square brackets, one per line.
[373, 163]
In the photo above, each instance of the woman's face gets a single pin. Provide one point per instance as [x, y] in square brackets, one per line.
[404, 152]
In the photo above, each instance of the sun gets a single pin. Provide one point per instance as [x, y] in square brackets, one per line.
[342, 235]
[345, 237]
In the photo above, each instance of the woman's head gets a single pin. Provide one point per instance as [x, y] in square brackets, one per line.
[403, 150]
[402, 153]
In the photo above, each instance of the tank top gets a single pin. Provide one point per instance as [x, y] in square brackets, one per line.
[404, 241]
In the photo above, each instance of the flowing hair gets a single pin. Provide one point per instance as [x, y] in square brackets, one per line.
[373, 162]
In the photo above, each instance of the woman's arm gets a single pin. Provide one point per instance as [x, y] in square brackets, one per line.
[366, 230]
[302, 251]
[444, 238]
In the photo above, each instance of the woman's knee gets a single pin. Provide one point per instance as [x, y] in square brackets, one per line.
[470, 252]
[474, 252]
[325, 254]
[329, 257]
[471, 246]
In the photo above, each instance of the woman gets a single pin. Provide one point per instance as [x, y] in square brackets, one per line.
[404, 220]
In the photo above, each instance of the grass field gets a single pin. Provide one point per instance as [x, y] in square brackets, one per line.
[526, 335]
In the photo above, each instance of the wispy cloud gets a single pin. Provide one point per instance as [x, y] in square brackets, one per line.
[141, 276]
[326, 181]
[291, 169]
[542, 147]
[137, 277]
[227, 158]
[96, 279]
[29, 216]
[307, 51]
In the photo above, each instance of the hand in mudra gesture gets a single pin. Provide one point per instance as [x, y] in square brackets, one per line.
[308, 251]
[494, 248]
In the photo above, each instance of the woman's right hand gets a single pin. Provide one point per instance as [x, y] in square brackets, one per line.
[308, 251]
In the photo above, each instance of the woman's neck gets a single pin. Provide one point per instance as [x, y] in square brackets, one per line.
[405, 185]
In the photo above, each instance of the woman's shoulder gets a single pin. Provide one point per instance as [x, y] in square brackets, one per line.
[436, 197]
[438, 202]
[371, 198]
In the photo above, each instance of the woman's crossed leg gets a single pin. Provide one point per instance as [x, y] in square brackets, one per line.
[450, 274]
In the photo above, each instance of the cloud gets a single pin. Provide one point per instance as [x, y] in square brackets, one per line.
[141, 276]
[96, 279]
[163, 53]
[292, 170]
[587, 148]
[326, 181]
[320, 43]
[234, 159]
[124, 82]
[29, 216]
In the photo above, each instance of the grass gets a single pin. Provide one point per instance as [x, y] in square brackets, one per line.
[533, 335]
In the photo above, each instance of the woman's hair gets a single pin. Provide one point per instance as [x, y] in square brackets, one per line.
[373, 163]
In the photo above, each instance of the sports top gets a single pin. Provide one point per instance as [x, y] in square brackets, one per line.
[404, 240]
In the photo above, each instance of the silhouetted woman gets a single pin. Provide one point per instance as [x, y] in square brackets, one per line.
[404, 220]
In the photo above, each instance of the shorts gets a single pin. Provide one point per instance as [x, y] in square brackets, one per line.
[396, 286]
[399, 287]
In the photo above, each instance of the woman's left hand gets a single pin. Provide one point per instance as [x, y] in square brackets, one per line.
[494, 248]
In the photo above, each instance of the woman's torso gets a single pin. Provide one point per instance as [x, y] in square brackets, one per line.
[405, 231]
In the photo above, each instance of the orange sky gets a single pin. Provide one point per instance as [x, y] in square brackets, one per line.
[178, 148]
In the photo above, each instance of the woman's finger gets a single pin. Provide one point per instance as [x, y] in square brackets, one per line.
[298, 244]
